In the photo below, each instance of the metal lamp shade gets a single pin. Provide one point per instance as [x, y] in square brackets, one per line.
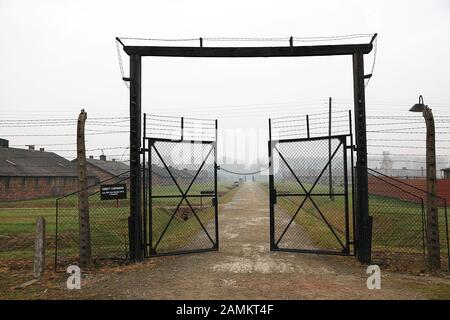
[418, 107]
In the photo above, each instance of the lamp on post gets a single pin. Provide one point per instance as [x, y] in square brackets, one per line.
[432, 225]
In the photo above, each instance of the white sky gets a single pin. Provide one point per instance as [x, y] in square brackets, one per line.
[59, 56]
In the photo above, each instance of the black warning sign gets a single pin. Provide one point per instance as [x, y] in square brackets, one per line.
[113, 191]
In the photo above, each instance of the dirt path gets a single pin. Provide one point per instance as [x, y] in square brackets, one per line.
[244, 268]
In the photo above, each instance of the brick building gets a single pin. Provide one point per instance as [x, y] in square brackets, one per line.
[160, 175]
[103, 169]
[32, 174]
[115, 171]
[446, 173]
[378, 188]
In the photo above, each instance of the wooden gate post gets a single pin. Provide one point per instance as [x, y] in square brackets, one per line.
[363, 224]
[135, 219]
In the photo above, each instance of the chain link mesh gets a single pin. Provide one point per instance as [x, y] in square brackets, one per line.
[310, 213]
[108, 224]
[182, 197]
[399, 224]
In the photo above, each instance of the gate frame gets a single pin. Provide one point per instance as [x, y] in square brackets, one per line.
[273, 194]
[357, 51]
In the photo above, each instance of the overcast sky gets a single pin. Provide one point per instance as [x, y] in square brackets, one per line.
[58, 56]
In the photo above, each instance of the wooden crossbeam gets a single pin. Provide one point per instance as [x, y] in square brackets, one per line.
[249, 52]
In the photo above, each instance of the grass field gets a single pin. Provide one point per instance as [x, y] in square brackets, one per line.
[17, 223]
[108, 219]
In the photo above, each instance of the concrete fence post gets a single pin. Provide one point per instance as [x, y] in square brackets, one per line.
[39, 248]
[83, 195]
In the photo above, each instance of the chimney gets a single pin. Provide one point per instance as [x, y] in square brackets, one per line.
[4, 143]
[41, 149]
[31, 147]
[91, 157]
[103, 157]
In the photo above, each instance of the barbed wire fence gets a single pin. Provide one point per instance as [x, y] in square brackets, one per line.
[42, 136]
[214, 41]
[401, 138]
[108, 223]
[399, 224]
[396, 169]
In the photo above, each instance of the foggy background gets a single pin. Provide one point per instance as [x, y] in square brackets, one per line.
[57, 57]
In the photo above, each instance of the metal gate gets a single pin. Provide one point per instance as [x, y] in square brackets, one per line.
[180, 197]
[309, 197]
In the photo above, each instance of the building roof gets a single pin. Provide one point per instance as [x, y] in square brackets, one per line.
[163, 173]
[177, 173]
[114, 168]
[16, 162]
